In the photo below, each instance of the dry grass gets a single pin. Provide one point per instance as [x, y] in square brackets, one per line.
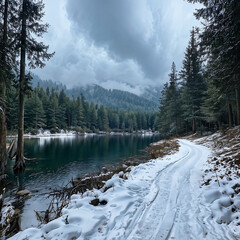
[223, 168]
[225, 163]
[162, 148]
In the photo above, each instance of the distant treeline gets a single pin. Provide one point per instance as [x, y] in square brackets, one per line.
[148, 101]
[49, 109]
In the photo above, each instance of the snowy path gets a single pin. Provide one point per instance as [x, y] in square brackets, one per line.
[176, 211]
[161, 199]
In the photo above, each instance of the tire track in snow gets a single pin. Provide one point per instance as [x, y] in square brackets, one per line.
[142, 206]
[176, 211]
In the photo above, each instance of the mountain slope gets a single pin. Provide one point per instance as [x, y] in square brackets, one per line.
[112, 98]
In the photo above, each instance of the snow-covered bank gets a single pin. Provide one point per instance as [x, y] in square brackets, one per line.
[66, 133]
[160, 199]
[46, 133]
[221, 177]
[124, 196]
[7, 214]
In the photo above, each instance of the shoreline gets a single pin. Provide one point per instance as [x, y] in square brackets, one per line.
[94, 192]
[122, 194]
[108, 168]
[65, 133]
[106, 173]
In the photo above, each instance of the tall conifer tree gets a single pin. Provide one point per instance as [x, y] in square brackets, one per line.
[174, 107]
[30, 16]
[7, 63]
[220, 40]
[194, 84]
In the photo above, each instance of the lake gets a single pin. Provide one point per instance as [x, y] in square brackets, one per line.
[63, 158]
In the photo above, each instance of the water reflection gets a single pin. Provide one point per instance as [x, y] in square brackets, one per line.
[63, 158]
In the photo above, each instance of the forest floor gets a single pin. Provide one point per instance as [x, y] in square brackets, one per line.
[221, 177]
[192, 193]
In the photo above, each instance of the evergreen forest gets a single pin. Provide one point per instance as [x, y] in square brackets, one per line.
[147, 101]
[204, 94]
[53, 110]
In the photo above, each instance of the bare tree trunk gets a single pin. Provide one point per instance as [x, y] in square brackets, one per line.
[230, 114]
[176, 127]
[237, 104]
[200, 125]
[2, 192]
[3, 151]
[193, 126]
[3, 128]
[20, 162]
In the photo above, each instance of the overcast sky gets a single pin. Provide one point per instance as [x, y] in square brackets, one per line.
[115, 43]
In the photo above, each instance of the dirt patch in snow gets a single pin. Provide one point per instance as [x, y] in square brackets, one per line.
[225, 163]
[162, 148]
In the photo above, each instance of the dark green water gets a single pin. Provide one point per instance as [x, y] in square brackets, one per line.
[64, 158]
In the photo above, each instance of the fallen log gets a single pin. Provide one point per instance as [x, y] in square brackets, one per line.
[12, 150]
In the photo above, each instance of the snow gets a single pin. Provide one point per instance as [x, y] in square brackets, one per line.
[7, 213]
[47, 133]
[225, 208]
[212, 195]
[65, 133]
[161, 199]
[221, 177]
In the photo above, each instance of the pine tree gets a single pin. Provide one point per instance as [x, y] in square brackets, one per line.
[116, 121]
[103, 119]
[218, 102]
[80, 114]
[174, 104]
[194, 85]
[156, 123]
[7, 62]
[93, 117]
[170, 105]
[214, 107]
[163, 111]
[35, 116]
[52, 111]
[73, 106]
[3, 130]
[122, 120]
[220, 39]
[42, 110]
[30, 17]
[63, 114]
[12, 108]
[85, 107]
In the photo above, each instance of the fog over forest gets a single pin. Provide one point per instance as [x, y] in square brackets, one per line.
[116, 43]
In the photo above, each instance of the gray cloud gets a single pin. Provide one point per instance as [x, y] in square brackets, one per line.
[116, 42]
[124, 28]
